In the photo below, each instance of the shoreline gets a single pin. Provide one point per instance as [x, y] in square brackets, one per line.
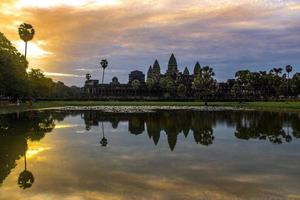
[150, 106]
[146, 109]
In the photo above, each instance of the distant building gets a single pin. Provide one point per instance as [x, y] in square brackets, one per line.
[116, 89]
[136, 75]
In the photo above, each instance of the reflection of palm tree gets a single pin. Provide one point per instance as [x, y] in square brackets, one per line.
[103, 141]
[288, 137]
[26, 178]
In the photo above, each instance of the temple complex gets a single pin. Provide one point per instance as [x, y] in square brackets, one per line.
[116, 89]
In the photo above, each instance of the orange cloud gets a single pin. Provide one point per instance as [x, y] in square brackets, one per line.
[130, 33]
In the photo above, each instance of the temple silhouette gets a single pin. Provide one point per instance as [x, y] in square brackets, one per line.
[115, 89]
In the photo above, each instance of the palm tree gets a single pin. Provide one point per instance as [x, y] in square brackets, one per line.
[88, 77]
[288, 69]
[277, 71]
[104, 65]
[26, 33]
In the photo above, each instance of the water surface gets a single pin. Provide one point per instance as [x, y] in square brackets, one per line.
[163, 155]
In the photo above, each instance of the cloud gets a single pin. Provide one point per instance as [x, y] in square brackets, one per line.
[62, 74]
[226, 34]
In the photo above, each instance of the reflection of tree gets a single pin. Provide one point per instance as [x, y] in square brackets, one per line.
[295, 123]
[26, 178]
[249, 125]
[16, 130]
[202, 129]
[262, 126]
[103, 141]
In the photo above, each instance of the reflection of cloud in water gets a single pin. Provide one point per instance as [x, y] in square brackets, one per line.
[133, 168]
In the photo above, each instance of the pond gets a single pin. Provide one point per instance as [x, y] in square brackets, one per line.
[169, 155]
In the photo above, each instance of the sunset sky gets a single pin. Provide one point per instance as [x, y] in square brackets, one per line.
[73, 36]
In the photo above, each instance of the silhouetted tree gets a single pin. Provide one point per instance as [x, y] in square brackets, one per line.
[136, 85]
[104, 65]
[88, 76]
[181, 90]
[26, 33]
[288, 69]
[150, 84]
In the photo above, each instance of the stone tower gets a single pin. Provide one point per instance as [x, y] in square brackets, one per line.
[150, 72]
[197, 69]
[186, 72]
[156, 71]
[172, 70]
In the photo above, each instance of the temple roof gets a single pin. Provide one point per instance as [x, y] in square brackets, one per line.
[156, 66]
[186, 71]
[197, 68]
[150, 69]
[172, 61]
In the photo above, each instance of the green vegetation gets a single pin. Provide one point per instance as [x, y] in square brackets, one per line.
[293, 106]
[272, 83]
[17, 83]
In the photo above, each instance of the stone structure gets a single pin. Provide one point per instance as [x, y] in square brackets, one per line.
[136, 75]
[116, 89]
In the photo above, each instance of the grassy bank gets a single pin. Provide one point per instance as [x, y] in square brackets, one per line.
[261, 105]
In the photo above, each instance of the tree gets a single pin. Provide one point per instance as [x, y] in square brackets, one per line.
[26, 33]
[277, 70]
[170, 85]
[181, 90]
[243, 82]
[40, 85]
[288, 69]
[204, 81]
[88, 76]
[163, 83]
[13, 65]
[167, 84]
[296, 84]
[150, 84]
[104, 65]
[276, 81]
[136, 85]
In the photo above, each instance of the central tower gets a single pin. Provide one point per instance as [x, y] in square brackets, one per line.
[172, 70]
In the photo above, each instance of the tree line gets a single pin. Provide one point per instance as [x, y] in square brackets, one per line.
[274, 83]
[16, 82]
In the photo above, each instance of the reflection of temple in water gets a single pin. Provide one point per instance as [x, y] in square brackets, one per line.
[249, 125]
[276, 128]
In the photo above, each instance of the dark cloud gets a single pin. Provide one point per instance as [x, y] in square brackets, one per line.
[252, 35]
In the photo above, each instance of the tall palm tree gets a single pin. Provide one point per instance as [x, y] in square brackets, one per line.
[88, 76]
[277, 71]
[104, 65]
[288, 69]
[26, 33]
